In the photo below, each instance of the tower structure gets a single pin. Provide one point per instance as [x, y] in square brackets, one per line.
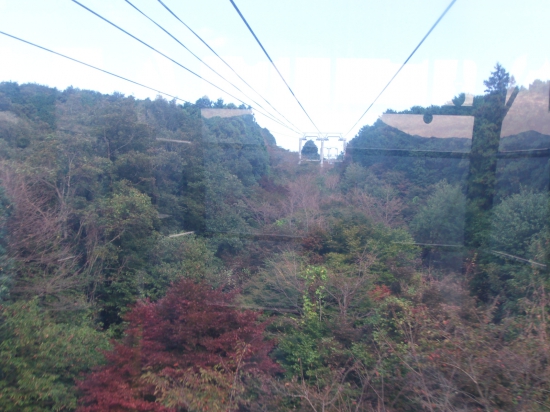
[323, 138]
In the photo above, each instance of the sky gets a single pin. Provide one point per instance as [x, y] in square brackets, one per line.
[336, 55]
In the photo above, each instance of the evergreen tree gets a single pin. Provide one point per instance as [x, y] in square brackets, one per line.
[40, 358]
[310, 151]
[489, 115]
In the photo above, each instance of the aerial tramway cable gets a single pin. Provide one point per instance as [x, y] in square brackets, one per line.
[203, 62]
[225, 62]
[93, 67]
[273, 64]
[169, 58]
[403, 65]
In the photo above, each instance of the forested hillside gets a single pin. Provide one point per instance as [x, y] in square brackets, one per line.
[165, 257]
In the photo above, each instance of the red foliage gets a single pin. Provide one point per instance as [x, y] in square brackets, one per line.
[379, 293]
[192, 327]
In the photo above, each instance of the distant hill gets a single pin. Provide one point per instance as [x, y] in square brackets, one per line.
[449, 129]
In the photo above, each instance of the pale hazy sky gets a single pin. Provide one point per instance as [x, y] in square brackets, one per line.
[336, 55]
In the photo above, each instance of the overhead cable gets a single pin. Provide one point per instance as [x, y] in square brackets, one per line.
[403, 65]
[198, 58]
[93, 67]
[169, 58]
[273, 64]
[281, 134]
[227, 64]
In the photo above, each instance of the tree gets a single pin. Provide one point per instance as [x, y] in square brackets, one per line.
[192, 349]
[121, 229]
[5, 262]
[204, 103]
[310, 151]
[519, 221]
[441, 220]
[489, 114]
[302, 203]
[118, 130]
[37, 246]
[499, 81]
[41, 358]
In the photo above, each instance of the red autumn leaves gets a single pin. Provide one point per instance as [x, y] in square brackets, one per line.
[190, 348]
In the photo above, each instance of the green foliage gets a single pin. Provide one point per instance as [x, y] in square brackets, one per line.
[420, 170]
[6, 274]
[126, 220]
[519, 231]
[357, 177]
[489, 115]
[118, 130]
[355, 238]
[362, 317]
[182, 257]
[498, 82]
[315, 280]
[305, 351]
[237, 145]
[124, 226]
[107, 191]
[310, 150]
[30, 100]
[40, 359]
[441, 219]
[308, 345]
[519, 221]
[532, 173]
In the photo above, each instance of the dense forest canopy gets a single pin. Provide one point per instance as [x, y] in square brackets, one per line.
[166, 257]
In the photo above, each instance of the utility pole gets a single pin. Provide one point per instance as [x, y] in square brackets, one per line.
[322, 139]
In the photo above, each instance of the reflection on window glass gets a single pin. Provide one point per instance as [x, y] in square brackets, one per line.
[245, 206]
